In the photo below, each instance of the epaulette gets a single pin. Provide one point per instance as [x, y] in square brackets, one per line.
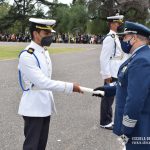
[30, 50]
[45, 48]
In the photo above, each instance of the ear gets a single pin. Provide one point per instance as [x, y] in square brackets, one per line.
[35, 33]
[135, 36]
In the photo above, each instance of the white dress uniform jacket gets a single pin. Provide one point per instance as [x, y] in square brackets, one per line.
[111, 56]
[39, 102]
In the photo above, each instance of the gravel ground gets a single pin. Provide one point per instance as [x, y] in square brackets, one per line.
[76, 125]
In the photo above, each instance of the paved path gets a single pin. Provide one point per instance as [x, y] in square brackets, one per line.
[76, 125]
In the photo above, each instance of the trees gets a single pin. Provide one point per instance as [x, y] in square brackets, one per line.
[4, 9]
[131, 9]
[98, 11]
[104, 8]
[18, 14]
[69, 18]
[78, 18]
[81, 16]
[7, 17]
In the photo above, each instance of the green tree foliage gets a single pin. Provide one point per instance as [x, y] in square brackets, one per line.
[131, 9]
[97, 26]
[62, 17]
[81, 16]
[18, 14]
[4, 9]
[7, 20]
[71, 19]
[135, 10]
[2, 1]
[80, 2]
[98, 11]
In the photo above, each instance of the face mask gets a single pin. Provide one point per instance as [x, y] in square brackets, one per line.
[120, 28]
[126, 46]
[46, 41]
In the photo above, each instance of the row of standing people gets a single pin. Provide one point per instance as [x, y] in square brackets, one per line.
[57, 38]
[85, 39]
[15, 37]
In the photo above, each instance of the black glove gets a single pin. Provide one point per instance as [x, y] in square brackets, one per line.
[101, 88]
[110, 90]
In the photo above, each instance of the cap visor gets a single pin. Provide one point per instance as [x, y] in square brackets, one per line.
[53, 31]
[127, 32]
[122, 33]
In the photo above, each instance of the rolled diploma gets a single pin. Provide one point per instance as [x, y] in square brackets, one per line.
[89, 90]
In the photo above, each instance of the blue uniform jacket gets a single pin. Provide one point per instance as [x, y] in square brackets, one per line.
[132, 111]
[110, 90]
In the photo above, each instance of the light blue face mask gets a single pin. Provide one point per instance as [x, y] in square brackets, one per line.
[126, 46]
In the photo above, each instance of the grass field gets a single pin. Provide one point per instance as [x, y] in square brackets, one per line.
[10, 52]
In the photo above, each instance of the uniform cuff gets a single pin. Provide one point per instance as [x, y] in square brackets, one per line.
[68, 88]
[126, 130]
[106, 76]
[128, 125]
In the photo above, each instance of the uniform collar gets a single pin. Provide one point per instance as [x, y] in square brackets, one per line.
[138, 49]
[112, 32]
[37, 47]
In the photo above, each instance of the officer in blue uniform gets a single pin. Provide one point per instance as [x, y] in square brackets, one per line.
[132, 110]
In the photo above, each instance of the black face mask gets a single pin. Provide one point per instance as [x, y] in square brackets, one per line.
[46, 41]
[126, 46]
[120, 28]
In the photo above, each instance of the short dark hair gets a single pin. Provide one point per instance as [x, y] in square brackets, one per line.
[33, 28]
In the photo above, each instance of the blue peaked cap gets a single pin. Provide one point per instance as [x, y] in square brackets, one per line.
[135, 28]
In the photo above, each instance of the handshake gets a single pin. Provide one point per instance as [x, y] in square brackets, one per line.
[107, 90]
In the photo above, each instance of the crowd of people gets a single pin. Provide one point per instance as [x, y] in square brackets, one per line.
[15, 37]
[57, 38]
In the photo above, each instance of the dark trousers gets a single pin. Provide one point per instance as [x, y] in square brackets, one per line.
[36, 132]
[106, 109]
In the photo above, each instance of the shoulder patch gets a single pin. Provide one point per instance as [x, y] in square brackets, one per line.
[113, 36]
[30, 50]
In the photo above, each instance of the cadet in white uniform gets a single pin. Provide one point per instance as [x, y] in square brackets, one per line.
[35, 69]
[111, 58]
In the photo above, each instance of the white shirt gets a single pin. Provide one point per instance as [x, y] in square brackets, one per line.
[39, 102]
[109, 64]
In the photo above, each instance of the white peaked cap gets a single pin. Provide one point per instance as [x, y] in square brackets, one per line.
[47, 22]
[119, 17]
